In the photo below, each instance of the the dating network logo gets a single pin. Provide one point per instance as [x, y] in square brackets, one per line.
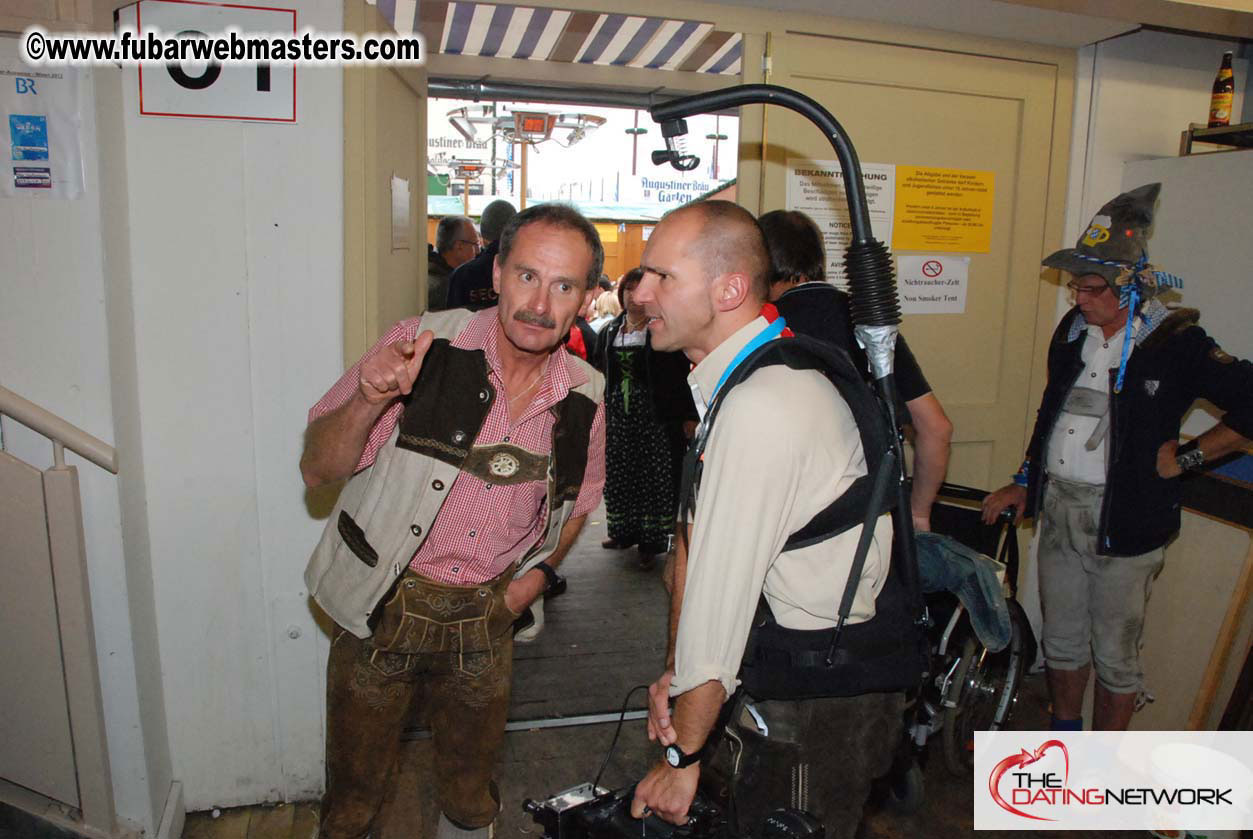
[1113, 780]
[1026, 787]
[1047, 790]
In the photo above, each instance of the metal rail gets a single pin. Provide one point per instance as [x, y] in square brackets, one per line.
[489, 90]
[546, 722]
[62, 434]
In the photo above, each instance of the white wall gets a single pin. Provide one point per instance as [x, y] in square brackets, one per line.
[54, 351]
[229, 270]
[1134, 95]
[1201, 234]
[189, 310]
[1245, 113]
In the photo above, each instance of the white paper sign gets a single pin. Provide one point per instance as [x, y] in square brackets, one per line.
[400, 214]
[241, 91]
[816, 188]
[932, 285]
[41, 124]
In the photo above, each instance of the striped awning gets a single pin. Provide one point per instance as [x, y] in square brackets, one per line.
[482, 29]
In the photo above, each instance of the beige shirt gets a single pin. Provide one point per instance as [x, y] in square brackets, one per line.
[784, 446]
[1067, 455]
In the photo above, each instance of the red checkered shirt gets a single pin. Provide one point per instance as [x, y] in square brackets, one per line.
[484, 528]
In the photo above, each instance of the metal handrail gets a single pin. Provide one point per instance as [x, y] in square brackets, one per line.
[62, 434]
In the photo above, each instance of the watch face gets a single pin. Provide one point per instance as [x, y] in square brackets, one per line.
[673, 756]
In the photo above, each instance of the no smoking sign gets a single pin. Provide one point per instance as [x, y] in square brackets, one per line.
[931, 284]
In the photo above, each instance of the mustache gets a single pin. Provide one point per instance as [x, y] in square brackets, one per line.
[535, 320]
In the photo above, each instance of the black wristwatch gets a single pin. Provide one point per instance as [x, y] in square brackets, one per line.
[550, 575]
[676, 758]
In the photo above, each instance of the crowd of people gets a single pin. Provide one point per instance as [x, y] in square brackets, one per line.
[476, 438]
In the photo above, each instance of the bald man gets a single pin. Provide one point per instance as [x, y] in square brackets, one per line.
[783, 447]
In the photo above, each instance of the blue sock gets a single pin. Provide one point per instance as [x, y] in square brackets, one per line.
[1065, 725]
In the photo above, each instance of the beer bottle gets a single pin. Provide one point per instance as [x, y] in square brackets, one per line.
[1220, 99]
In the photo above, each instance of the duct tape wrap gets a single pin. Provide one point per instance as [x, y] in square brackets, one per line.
[880, 345]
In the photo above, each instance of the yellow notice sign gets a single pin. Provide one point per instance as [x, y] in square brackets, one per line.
[943, 209]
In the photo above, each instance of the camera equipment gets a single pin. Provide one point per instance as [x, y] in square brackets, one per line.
[675, 153]
[588, 812]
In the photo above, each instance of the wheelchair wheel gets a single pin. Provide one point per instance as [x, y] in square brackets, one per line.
[980, 697]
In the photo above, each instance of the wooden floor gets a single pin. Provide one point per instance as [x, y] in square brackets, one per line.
[277, 821]
[541, 762]
[601, 638]
[605, 635]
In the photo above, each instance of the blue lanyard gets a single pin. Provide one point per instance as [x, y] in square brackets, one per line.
[1132, 301]
[772, 331]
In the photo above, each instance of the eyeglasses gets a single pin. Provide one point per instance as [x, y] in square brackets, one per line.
[1080, 290]
[474, 243]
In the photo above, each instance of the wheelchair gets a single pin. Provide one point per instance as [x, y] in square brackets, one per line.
[970, 686]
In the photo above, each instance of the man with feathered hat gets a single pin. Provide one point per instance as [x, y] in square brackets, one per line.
[1103, 465]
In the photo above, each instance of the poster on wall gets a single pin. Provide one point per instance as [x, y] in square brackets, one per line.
[943, 209]
[40, 109]
[816, 188]
[932, 284]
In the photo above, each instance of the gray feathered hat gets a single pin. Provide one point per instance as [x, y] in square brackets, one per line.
[1115, 239]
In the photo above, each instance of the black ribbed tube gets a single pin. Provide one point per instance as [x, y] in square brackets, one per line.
[872, 281]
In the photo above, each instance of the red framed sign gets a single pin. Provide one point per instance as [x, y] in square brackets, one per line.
[250, 90]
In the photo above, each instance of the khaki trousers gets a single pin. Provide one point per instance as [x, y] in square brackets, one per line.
[1093, 605]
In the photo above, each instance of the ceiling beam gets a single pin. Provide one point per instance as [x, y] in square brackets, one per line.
[1224, 18]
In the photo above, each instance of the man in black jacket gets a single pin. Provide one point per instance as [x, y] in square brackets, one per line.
[456, 243]
[1104, 460]
[470, 286]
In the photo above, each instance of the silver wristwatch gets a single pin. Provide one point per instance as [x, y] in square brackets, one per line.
[1191, 459]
